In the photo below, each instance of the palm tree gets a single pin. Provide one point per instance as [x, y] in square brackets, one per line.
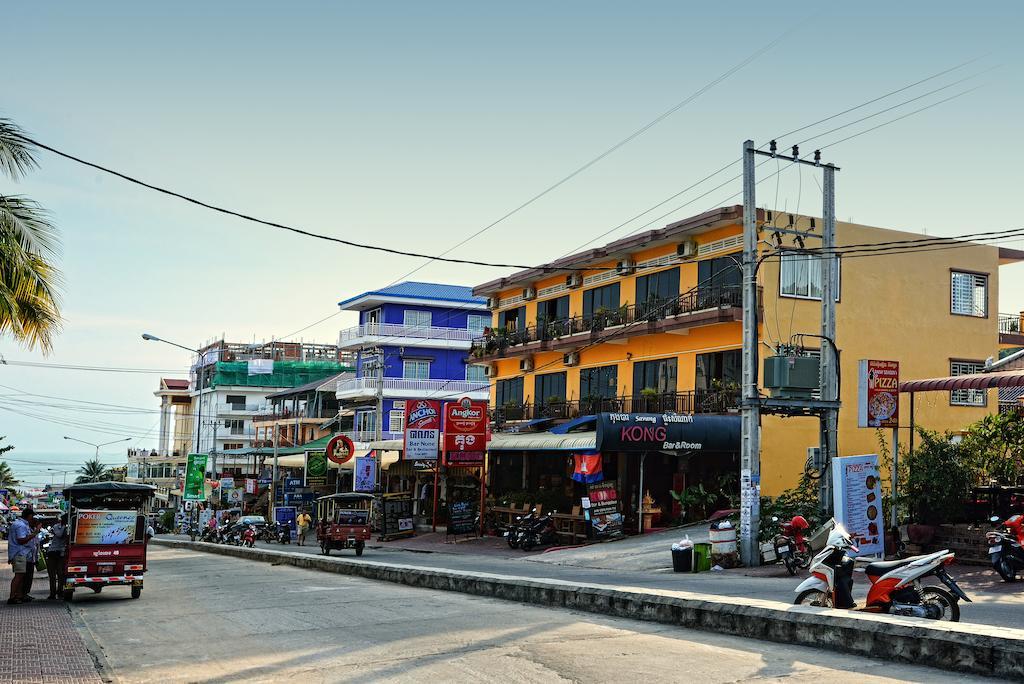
[92, 471]
[7, 479]
[29, 300]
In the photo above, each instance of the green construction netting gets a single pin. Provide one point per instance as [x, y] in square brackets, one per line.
[286, 373]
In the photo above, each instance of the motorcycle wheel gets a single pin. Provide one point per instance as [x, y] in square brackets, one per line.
[527, 544]
[1005, 569]
[814, 597]
[803, 560]
[943, 600]
[790, 564]
[512, 542]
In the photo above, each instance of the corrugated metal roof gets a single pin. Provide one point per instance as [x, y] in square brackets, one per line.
[972, 381]
[416, 290]
[527, 441]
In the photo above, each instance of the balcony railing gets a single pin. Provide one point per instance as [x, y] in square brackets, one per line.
[700, 299]
[1010, 324]
[288, 414]
[371, 435]
[241, 408]
[695, 401]
[399, 330]
[448, 387]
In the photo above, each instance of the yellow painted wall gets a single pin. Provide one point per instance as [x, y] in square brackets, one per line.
[891, 307]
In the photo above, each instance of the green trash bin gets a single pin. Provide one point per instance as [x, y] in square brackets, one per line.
[701, 557]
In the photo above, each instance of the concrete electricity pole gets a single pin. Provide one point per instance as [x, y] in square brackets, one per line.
[750, 435]
[829, 389]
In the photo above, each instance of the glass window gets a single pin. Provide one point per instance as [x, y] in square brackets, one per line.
[549, 387]
[237, 401]
[660, 286]
[720, 272]
[967, 397]
[969, 294]
[476, 373]
[556, 309]
[372, 317]
[606, 298]
[416, 369]
[512, 319]
[366, 421]
[416, 319]
[509, 391]
[396, 421]
[659, 375]
[800, 276]
[476, 323]
[599, 382]
[724, 366]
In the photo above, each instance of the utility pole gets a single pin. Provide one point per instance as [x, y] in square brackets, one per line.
[273, 480]
[750, 435]
[379, 418]
[829, 388]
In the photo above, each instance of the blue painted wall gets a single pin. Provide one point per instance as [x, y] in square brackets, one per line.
[441, 316]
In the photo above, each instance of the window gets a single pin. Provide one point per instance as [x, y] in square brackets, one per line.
[372, 317]
[720, 272]
[416, 319]
[800, 276]
[396, 421]
[509, 391]
[366, 421]
[969, 294]
[599, 382]
[476, 373]
[967, 397]
[658, 375]
[660, 286]
[513, 319]
[476, 323]
[556, 309]
[549, 387]
[416, 369]
[726, 367]
[237, 402]
[235, 427]
[606, 298]
[229, 445]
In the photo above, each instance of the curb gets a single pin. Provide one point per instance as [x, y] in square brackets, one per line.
[975, 649]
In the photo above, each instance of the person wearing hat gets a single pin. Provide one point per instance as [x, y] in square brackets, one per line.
[22, 553]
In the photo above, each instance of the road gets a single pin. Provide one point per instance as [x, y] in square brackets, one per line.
[995, 603]
[205, 617]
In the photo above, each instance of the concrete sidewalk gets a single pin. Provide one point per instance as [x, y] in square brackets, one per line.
[38, 640]
[978, 649]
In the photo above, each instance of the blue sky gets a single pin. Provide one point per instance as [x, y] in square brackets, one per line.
[415, 124]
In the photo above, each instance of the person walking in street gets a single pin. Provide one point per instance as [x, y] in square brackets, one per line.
[22, 554]
[55, 554]
[303, 522]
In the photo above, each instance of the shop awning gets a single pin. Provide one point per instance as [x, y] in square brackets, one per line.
[974, 381]
[299, 460]
[565, 428]
[542, 441]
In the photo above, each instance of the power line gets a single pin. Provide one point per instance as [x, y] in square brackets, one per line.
[105, 369]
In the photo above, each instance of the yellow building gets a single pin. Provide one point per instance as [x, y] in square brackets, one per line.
[652, 323]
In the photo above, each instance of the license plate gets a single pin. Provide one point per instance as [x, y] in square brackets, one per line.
[105, 569]
[995, 549]
[783, 549]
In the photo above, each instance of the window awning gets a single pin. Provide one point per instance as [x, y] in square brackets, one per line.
[522, 441]
[974, 381]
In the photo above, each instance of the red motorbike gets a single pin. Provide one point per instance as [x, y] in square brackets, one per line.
[790, 544]
[249, 536]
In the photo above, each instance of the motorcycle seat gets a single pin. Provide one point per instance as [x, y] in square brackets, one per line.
[882, 567]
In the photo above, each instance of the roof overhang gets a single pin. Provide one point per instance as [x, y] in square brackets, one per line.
[1008, 255]
[976, 381]
[372, 300]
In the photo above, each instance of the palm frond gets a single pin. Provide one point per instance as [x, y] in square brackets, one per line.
[28, 225]
[15, 154]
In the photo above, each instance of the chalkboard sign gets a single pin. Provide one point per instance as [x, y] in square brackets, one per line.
[461, 517]
[397, 521]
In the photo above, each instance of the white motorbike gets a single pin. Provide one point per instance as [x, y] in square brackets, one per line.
[895, 585]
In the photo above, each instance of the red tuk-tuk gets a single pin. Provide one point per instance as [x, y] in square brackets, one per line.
[106, 536]
[343, 521]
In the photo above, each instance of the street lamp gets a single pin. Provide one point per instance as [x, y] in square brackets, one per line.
[116, 441]
[64, 472]
[199, 397]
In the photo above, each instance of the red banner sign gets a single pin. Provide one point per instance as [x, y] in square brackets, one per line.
[879, 390]
[422, 430]
[465, 432]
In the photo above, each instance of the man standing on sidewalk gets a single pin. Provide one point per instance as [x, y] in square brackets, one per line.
[303, 522]
[22, 553]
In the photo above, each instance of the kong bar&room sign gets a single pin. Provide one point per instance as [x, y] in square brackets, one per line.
[667, 432]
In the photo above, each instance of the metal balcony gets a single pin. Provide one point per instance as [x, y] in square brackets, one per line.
[373, 333]
[693, 401]
[410, 388]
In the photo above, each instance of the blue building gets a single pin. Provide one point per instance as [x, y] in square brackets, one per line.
[421, 334]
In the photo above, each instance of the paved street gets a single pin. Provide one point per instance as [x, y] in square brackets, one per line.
[995, 602]
[207, 617]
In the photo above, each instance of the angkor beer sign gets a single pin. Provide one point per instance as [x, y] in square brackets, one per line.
[878, 394]
[422, 430]
[465, 432]
[667, 432]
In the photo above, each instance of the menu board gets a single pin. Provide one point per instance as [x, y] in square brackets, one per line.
[398, 520]
[857, 498]
[605, 516]
[461, 517]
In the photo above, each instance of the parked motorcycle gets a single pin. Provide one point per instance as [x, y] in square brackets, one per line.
[540, 532]
[1006, 547]
[284, 533]
[517, 530]
[249, 536]
[209, 535]
[895, 585]
[790, 546]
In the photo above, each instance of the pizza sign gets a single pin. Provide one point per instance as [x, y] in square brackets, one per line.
[879, 394]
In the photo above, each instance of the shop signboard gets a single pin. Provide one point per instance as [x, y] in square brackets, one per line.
[397, 521]
[227, 483]
[235, 495]
[461, 517]
[422, 430]
[316, 468]
[109, 527]
[292, 483]
[878, 394]
[857, 499]
[250, 485]
[195, 478]
[604, 514]
[365, 473]
[667, 432]
[340, 449]
[465, 432]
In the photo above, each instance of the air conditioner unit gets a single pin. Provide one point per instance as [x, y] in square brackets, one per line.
[529, 293]
[625, 267]
[492, 303]
[526, 364]
[574, 280]
[687, 250]
[571, 359]
[490, 370]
